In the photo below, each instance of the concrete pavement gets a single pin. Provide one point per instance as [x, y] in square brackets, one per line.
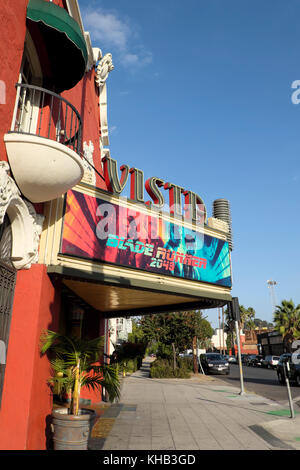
[201, 413]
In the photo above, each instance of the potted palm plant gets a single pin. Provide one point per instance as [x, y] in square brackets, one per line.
[75, 365]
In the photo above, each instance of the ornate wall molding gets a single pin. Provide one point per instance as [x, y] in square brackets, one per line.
[8, 189]
[104, 67]
[88, 163]
[25, 228]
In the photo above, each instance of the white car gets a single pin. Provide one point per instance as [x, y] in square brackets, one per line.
[231, 359]
[270, 362]
[190, 354]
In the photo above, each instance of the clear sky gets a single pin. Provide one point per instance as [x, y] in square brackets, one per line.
[201, 95]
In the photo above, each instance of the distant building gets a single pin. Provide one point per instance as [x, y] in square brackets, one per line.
[119, 329]
[250, 345]
[270, 343]
[124, 327]
[218, 340]
[264, 341]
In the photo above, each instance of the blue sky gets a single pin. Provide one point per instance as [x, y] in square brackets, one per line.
[201, 96]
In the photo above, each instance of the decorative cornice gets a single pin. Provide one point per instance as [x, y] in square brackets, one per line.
[8, 189]
[25, 223]
[36, 226]
[88, 163]
[103, 69]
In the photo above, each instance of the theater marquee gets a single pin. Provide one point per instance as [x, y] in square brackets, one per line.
[100, 230]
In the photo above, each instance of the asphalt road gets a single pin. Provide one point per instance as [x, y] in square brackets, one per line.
[262, 381]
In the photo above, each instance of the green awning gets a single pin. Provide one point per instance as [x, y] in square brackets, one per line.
[59, 42]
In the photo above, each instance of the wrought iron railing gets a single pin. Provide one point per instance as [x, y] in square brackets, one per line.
[7, 287]
[43, 113]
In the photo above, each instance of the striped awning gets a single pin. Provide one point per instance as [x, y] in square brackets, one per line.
[59, 42]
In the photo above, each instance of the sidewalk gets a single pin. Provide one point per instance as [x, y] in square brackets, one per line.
[201, 413]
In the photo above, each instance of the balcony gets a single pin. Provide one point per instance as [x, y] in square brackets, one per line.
[43, 145]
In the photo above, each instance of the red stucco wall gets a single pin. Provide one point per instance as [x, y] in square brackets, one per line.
[26, 401]
[85, 97]
[13, 16]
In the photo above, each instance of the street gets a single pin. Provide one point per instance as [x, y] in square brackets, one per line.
[263, 382]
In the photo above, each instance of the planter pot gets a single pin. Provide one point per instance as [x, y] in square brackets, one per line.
[72, 432]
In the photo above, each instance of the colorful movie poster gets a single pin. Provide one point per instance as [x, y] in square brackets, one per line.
[100, 230]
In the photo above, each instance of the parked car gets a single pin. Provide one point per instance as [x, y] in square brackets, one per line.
[214, 363]
[270, 362]
[244, 358]
[249, 359]
[257, 362]
[231, 359]
[294, 369]
[186, 354]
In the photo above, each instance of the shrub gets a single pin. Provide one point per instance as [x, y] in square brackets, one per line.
[163, 368]
[185, 363]
[164, 351]
[131, 365]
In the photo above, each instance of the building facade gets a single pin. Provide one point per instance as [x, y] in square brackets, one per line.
[219, 340]
[74, 253]
[270, 343]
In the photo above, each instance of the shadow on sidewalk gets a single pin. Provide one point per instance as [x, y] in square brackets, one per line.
[233, 405]
[109, 412]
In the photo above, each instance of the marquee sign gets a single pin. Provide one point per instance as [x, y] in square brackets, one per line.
[96, 229]
[193, 208]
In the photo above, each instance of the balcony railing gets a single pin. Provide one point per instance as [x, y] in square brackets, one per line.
[42, 113]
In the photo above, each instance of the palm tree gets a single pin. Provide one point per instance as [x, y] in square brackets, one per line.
[287, 322]
[74, 367]
[251, 327]
[246, 315]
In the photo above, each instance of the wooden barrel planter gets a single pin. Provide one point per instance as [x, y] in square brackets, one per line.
[72, 432]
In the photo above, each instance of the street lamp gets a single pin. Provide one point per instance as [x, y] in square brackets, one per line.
[271, 285]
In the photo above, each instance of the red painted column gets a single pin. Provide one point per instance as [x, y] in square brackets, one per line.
[26, 400]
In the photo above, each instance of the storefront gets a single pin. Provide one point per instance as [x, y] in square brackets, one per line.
[75, 252]
[122, 257]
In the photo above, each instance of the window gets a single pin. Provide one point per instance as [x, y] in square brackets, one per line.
[28, 100]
